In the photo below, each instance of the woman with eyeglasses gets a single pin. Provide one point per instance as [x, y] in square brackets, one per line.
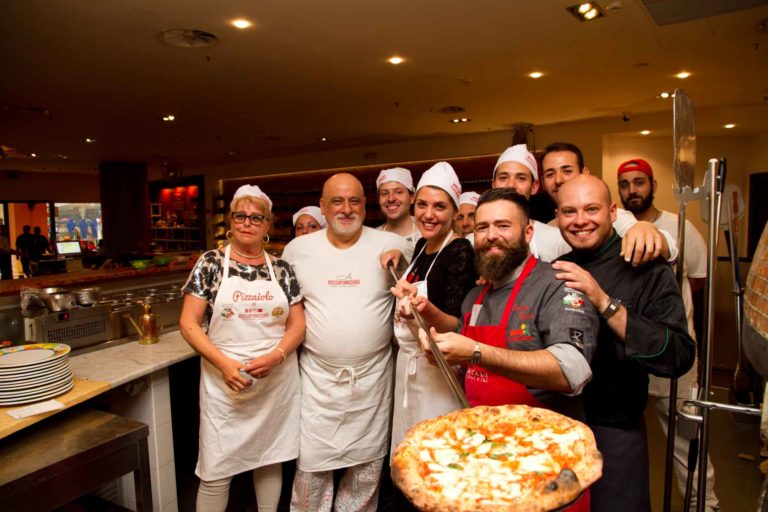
[249, 383]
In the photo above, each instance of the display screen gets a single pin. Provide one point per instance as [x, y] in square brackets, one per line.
[68, 248]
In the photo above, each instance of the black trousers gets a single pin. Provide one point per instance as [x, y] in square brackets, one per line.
[624, 485]
[6, 268]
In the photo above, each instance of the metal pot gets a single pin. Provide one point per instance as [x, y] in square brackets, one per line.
[88, 296]
[59, 301]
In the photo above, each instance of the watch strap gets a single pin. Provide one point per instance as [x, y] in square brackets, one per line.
[613, 307]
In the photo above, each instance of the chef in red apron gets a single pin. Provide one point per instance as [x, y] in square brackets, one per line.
[528, 338]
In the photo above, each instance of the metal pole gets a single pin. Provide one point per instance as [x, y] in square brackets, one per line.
[672, 405]
[716, 183]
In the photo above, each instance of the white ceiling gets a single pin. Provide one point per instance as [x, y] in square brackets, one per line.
[309, 69]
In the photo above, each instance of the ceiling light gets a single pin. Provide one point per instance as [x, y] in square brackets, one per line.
[645, 132]
[586, 11]
[33, 155]
[325, 139]
[683, 74]
[169, 118]
[729, 126]
[460, 120]
[241, 23]
[536, 74]
[664, 95]
[395, 60]
[89, 140]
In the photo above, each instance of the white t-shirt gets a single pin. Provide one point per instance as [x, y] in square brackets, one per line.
[347, 302]
[625, 220]
[410, 240]
[547, 243]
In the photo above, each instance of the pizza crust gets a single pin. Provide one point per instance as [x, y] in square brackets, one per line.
[429, 469]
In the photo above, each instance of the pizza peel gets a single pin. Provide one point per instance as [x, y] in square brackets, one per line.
[442, 364]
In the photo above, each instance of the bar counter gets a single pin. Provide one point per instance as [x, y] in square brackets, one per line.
[91, 277]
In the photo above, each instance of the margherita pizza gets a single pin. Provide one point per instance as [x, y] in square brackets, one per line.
[510, 457]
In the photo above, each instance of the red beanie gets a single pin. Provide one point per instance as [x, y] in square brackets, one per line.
[636, 164]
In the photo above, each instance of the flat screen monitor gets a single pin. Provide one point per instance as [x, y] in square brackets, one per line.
[69, 248]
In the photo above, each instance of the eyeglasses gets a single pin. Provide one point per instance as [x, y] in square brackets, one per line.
[256, 219]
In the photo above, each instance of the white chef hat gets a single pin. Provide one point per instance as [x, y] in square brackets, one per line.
[251, 191]
[398, 174]
[469, 198]
[519, 153]
[312, 211]
[442, 175]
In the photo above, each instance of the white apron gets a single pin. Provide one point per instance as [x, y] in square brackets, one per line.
[344, 410]
[240, 431]
[421, 391]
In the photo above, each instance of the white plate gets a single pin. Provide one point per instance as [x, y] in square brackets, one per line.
[21, 393]
[35, 382]
[40, 367]
[30, 355]
[20, 401]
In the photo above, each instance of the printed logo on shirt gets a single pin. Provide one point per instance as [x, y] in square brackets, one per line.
[573, 300]
[477, 374]
[227, 313]
[253, 313]
[278, 311]
[344, 281]
[577, 337]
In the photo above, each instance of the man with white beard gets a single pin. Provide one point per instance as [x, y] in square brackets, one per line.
[346, 363]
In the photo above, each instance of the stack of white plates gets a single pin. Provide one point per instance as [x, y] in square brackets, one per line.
[29, 373]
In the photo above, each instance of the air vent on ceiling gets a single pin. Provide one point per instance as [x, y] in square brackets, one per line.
[666, 12]
[187, 38]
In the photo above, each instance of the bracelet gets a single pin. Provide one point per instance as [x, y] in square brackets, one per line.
[475, 355]
[613, 307]
[282, 353]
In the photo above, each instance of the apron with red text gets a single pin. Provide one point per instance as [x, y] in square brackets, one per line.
[243, 430]
[484, 387]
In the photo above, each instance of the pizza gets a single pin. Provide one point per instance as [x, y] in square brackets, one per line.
[510, 457]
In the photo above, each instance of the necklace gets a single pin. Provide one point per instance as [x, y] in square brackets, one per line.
[246, 256]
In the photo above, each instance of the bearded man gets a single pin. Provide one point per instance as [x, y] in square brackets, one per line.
[528, 338]
[346, 363]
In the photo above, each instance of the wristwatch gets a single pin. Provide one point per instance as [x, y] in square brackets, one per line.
[475, 355]
[613, 307]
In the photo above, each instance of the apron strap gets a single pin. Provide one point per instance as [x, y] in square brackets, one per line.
[516, 289]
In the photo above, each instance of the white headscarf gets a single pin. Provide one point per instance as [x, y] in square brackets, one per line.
[312, 211]
[442, 176]
[469, 198]
[251, 191]
[398, 174]
[520, 154]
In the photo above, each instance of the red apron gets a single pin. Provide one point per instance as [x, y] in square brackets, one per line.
[484, 387]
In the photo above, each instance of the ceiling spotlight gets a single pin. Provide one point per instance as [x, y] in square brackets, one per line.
[241, 23]
[536, 74]
[683, 75]
[460, 120]
[586, 11]
[395, 60]
[89, 140]
[233, 153]
[729, 126]
[169, 118]
[645, 132]
[325, 139]
[664, 95]
[33, 155]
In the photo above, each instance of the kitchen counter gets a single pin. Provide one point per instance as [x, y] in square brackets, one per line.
[102, 370]
[90, 277]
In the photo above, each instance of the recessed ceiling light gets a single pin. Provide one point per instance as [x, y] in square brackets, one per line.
[233, 153]
[645, 132]
[664, 95]
[325, 139]
[729, 126]
[33, 155]
[89, 140]
[169, 118]
[241, 23]
[586, 11]
[395, 59]
[683, 74]
[460, 120]
[536, 74]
